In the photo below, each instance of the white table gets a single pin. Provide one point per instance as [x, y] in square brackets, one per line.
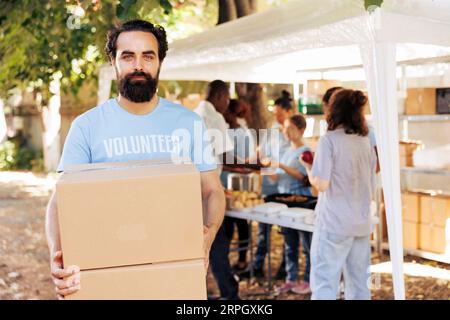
[273, 218]
[276, 219]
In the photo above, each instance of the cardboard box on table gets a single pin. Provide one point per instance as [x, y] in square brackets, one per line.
[406, 151]
[411, 219]
[435, 223]
[135, 230]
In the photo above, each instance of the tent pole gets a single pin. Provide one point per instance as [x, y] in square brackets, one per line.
[380, 67]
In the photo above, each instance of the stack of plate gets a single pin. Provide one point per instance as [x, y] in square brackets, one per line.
[296, 214]
[310, 219]
[270, 208]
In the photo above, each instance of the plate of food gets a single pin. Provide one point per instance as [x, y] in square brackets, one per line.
[293, 200]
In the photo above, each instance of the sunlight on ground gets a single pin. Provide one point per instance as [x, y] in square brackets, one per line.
[36, 185]
[413, 269]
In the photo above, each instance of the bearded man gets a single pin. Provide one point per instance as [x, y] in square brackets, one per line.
[137, 125]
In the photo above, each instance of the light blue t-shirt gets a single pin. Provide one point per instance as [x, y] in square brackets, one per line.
[109, 133]
[287, 183]
[371, 135]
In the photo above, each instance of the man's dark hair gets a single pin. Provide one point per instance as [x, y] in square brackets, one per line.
[136, 25]
[326, 97]
[346, 110]
[285, 101]
[216, 88]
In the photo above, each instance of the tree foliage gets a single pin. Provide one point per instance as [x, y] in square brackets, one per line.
[66, 40]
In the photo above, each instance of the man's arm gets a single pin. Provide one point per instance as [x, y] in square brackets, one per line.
[67, 281]
[214, 200]
[52, 226]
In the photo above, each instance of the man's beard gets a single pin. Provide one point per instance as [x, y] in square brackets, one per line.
[138, 90]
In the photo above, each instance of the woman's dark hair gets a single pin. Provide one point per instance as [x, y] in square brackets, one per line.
[346, 110]
[299, 121]
[327, 96]
[136, 25]
[231, 114]
[285, 101]
[233, 107]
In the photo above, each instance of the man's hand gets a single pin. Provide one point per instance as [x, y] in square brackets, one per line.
[207, 243]
[67, 281]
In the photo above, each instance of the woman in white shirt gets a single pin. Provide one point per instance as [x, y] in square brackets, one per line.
[344, 173]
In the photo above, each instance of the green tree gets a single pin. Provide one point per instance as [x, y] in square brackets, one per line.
[54, 45]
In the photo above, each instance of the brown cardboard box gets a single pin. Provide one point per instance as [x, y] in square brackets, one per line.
[411, 207]
[434, 210]
[407, 147]
[319, 87]
[183, 280]
[420, 101]
[410, 235]
[434, 238]
[406, 161]
[406, 151]
[132, 213]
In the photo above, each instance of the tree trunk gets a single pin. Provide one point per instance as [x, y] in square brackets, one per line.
[227, 11]
[244, 8]
[252, 93]
[51, 119]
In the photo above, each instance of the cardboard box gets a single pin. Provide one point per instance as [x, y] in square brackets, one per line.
[407, 147]
[183, 280]
[434, 210]
[411, 207]
[319, 87]
[410, 235]
[434, 239]
[124, 214]
[406, 161]
[420, 101]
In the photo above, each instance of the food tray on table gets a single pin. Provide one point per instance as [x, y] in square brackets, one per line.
[242, 200]
[293, 201]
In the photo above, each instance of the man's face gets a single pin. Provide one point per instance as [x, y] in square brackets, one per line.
[222, 102]
[137, 65]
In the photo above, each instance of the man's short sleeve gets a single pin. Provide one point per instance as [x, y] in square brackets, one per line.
[76, 147]
[223, 143]
[323, 160]
[201, 152]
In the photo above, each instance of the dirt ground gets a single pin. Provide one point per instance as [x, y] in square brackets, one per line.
[24, 260]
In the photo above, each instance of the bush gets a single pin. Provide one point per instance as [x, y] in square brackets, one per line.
[14, 157]
[7, 155]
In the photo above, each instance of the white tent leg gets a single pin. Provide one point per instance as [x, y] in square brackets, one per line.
[380, 66]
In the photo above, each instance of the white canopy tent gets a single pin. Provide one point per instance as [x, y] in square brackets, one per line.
[280, 45]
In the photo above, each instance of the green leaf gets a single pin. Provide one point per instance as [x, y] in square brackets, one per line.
[166, 5]
[368, 3]
[126, 10]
